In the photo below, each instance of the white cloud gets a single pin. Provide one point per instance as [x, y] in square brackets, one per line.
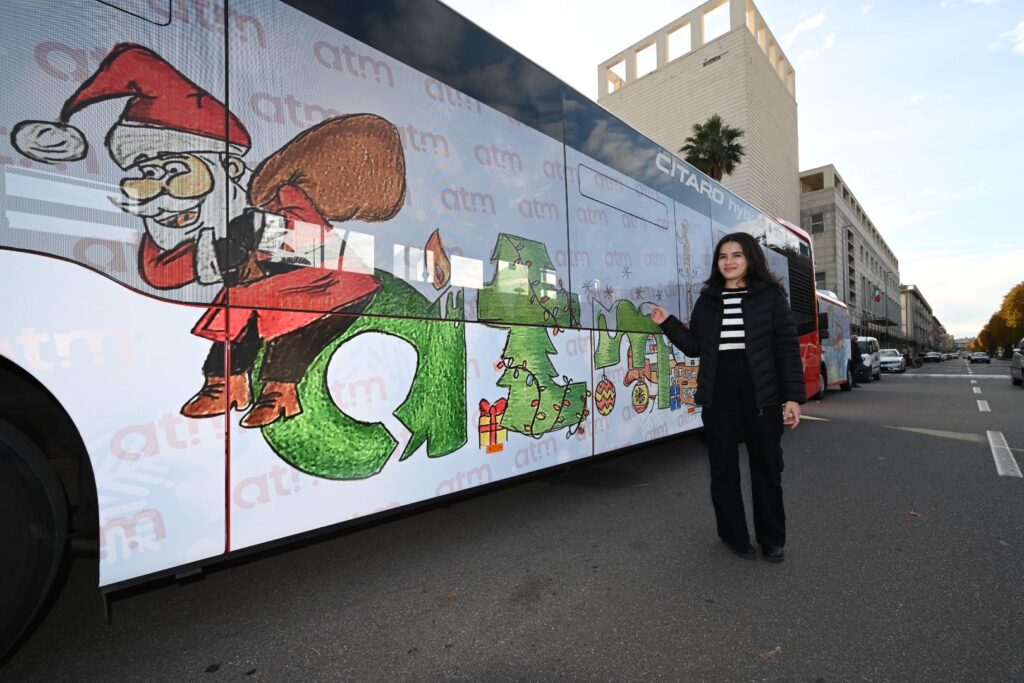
[826, 44]
[1016, 37]
[910, 208]
[953, 3]
[866, 8]
[803, 26]
[918, 97]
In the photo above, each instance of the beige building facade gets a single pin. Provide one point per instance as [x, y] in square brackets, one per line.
[918, 322]
[851, 258]
[722, 59]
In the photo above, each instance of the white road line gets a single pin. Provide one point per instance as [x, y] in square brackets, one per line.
[977, 390]
[974, 381]
[983, 406]
[1005, 463]
[961, 376]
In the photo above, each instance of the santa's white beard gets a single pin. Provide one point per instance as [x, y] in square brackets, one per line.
[215, 211]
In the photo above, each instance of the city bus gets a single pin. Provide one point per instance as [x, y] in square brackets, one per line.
[274, 267]
[836, 350]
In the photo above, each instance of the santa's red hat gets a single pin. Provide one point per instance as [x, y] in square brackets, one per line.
[166, 112]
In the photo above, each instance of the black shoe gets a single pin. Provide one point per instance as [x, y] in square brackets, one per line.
[773, 553]
[746, 551]
[856, 386]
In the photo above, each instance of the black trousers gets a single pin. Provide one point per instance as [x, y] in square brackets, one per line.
[735, 413]
[287, 357]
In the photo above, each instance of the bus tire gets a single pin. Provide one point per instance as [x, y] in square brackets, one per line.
[33, 527]
[848, 386]
[822, 384]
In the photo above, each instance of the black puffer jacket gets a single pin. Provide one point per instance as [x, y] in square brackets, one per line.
[773, 348]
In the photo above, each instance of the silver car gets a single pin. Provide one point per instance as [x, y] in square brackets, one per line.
[892, 360]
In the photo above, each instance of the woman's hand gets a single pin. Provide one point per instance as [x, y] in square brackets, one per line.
[791, 414]
[659, 314]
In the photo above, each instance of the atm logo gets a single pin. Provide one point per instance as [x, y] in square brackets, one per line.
[345, 60]
[462, 199]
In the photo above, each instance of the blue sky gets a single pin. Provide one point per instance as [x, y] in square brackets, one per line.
[918, 103]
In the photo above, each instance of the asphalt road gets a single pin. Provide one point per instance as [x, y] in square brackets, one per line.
[904, 563]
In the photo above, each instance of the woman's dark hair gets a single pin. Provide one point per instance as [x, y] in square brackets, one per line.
[757, 267]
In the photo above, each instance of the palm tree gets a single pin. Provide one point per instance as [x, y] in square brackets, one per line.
[713, 148]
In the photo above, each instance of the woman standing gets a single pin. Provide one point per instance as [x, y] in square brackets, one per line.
[751, 383]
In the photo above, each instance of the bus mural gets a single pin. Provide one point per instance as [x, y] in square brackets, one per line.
[315, 271]
[834, 330]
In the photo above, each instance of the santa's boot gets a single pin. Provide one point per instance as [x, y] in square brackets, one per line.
[277, 400]
[213, 399]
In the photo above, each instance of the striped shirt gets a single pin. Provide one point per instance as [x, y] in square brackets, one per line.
[732, 321]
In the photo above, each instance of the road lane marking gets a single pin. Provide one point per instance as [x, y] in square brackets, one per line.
[974, 381]
[977, 390]
[958, 436]
[1005, 463]
[983, 406]
[951, 376]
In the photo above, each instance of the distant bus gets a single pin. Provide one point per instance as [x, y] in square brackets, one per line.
[272, 267]
[834, 326]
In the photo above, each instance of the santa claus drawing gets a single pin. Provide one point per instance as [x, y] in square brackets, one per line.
[258, 235]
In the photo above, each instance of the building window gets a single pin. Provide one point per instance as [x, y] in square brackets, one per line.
[646, 60]
[679, 42]
[817, 223]
[717, 23]
[819, 279]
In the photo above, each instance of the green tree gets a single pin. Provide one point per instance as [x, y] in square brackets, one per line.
[526, 291]
[713, 147]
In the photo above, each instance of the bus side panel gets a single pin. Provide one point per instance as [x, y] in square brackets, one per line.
[110, 340]
[836, 349]
[418, 180]
[73, 70]
[400, 401]
[121, 367]
[401, 411]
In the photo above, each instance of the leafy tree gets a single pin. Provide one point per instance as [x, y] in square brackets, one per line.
[1012, 311]
[713, 147]
[1006, 326]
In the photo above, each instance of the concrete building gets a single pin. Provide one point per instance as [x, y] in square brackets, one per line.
[916, 323]
[963, 343]
[851, 256]
[722, 59]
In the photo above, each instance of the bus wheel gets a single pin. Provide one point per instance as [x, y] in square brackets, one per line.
[849, 382]
[33, 525]
[822, 384]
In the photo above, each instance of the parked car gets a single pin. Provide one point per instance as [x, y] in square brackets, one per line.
[980, 357]
[869, 353]
[1017, 364]
[933, 357]
[891, 360]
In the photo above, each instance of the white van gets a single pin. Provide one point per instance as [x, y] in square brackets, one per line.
[869, 353]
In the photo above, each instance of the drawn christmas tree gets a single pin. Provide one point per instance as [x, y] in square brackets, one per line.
[636, 328]
[526, 291]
